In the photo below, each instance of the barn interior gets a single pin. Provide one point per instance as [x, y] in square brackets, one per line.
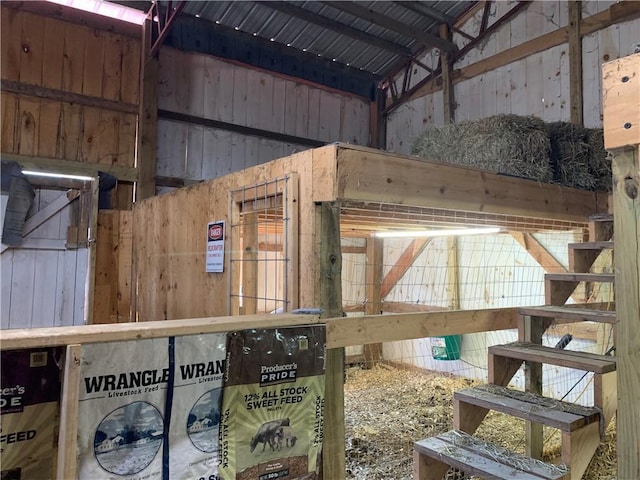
[436, 184]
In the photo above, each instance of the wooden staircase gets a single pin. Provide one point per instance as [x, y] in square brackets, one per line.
[582, 428]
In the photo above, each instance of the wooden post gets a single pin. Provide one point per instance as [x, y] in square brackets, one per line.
[292, 239]
[447, 87]
[626, 201]
[328, 237]
[621, 106]
[68, 434]
[90, 281]
[147, 118]
[250, 263]
[575, 62]
[453, 289]
[532, 331]
[373, 280]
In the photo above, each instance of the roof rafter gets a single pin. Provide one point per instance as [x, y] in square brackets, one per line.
[328, 23]
[427, 11]
[389, 23]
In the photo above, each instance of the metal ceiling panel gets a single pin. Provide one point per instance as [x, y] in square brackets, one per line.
[270, 24]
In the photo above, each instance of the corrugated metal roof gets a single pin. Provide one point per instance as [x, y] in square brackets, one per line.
[269, 24]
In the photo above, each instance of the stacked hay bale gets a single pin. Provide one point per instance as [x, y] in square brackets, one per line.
[578, 157]
[509, 144]
[522, 146]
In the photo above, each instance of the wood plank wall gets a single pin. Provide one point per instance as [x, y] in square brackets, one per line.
[169, 239]
[210, 88]
[112, 295]
[40, 51]
[536, 85]
[43, 286]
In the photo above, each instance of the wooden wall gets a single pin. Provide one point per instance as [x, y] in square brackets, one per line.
[535, 85]
[43, 282]
[80, 65]
[69, 102]
[169, 242]
[112, 294]
[210, 88]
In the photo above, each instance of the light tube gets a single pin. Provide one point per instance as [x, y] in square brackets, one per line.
[437, 233]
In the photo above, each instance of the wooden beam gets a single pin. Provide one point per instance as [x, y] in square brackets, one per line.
[626, 198]
[38, 91]
[399, 307]
[575, 62]
[61, 336]
[353, 331]
[447, 89]
[427, 11]
[330, 264]
[373, 176]
[373, 280]
[72, 167]
[242, 129]
[331, 24]
[538, 251]
[413, 250]
[621, 98]
[389, 23]
[147, 138]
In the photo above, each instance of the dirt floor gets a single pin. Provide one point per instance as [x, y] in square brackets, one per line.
[387, 409]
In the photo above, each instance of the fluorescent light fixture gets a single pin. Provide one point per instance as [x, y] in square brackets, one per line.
[56, 175]
[437, 233]
[106, 9]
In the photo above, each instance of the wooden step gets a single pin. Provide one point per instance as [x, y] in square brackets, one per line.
[602, 245]
[558, 287]
[583, 255]
[433, 456]
[565, 313]
[600, 227]
[580, 277]
[531, 352]
[526, 405]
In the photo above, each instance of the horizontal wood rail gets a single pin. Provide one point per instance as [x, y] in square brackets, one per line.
[367, 329]
[341, 332]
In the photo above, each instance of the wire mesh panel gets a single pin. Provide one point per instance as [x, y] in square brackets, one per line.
[264, 256]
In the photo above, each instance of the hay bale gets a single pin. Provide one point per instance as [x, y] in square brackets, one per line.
[599, 161]
[508, 144]
[571, 155]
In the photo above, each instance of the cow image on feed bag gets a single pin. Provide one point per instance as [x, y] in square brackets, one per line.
[273, 403]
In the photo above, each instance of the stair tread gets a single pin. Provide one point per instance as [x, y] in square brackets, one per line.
[591, 245]
[570, 313]
[529, 406]
[532, 352]
[580, 277]
[478, 457]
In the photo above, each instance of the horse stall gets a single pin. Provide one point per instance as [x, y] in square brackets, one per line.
[296, 241]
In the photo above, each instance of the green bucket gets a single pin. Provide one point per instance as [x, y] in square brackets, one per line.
[446, 348]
